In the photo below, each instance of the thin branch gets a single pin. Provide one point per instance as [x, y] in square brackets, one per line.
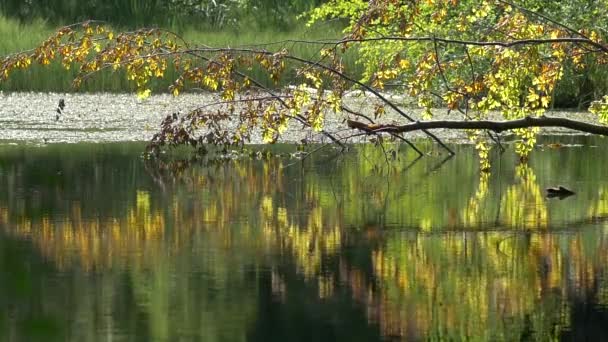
[439, 165]
[507, 44]
[471, 65]
[350, 111]
[411, 144]
[496, 139]
[442, 73]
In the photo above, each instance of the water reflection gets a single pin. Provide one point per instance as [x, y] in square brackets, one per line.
[98, 244]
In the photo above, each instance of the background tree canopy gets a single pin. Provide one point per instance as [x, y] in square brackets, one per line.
[214, 14]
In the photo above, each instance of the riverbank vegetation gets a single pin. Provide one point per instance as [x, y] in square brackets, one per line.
[235, 23]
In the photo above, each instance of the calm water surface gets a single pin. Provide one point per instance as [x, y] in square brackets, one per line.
[98, 245]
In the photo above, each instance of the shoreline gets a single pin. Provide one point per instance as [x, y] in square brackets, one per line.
[109, 117]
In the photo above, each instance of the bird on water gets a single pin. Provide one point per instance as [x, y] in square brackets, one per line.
[60, 108]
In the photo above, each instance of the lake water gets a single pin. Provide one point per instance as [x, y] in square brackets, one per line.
[97, 244]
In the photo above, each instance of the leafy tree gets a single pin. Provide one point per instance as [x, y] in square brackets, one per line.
[471, 57]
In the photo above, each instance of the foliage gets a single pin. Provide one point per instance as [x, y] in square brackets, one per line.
[54, 77]
[600, 108]
[277, 13]
[471, 57]
[454, 68]
[580, 86]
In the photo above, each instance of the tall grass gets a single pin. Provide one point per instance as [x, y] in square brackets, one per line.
[125, 13]
[163, 13]
[56, 79]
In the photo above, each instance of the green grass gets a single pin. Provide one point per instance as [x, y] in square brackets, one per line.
[54, 78]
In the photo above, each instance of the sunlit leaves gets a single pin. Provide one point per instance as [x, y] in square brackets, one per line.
[339, 8]
[524, 146]
[90, 48]
[274, 63]
[600, 108]
[269, 133]
[334, 101]
[315, 78]
[483, 149]
[474, 79]
[144, 94]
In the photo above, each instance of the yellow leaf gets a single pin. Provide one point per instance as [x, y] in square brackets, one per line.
[532, 97]
[143, 94]
[555, 34]
[544, 101]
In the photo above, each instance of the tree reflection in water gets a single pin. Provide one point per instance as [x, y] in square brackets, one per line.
[342, 248]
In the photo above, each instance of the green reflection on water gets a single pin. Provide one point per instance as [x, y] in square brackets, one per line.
[96, 244]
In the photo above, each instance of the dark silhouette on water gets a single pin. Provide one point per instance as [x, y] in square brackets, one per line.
[560, 192]
[60, 108]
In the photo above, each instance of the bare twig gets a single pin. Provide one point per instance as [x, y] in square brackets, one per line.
[496, 139]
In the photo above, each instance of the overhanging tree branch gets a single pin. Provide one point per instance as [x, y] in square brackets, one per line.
[496, 126]
[373, 91]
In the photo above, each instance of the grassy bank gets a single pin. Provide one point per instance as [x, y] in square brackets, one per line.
[55, 78]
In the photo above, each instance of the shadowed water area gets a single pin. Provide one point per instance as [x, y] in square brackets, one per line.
[97, 244]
